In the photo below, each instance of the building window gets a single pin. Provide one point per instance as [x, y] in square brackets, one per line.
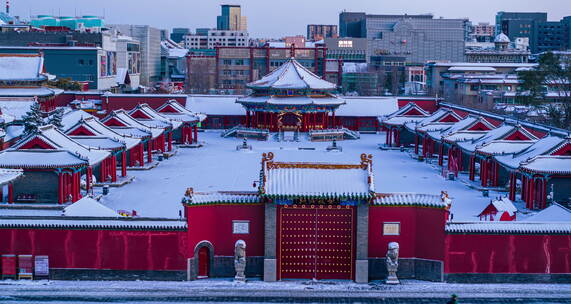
[81, 62]
[345, 44]
[241, 227]
[391, 228]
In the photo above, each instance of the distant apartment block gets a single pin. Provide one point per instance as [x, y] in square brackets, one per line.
[316, 32]
[214, 38]
[231, 19]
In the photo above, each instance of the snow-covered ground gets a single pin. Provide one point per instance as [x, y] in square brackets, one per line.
[210, 289]
[219, 167]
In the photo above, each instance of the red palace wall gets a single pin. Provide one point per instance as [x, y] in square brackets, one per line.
[121, 101]
[429, 105]
[100, 249]
[421, 235]
[213, 223]
[526, 254]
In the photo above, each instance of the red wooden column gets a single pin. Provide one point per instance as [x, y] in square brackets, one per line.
[397, 137]
[483, 172]
[73, 188]
[113, 168]
[124, 163]
[102, 169]
[60, 188]
[150, 151]
[523, 188]
[390, 137]
[141, 154]
[472, 167]
[544, 195]
[169, 148]
[333, 121]
[416, 144]
[441, 155]
[247, 118]
[196, 134]
[10, 193]
[88, 176]
[531, 194]
[512, 186]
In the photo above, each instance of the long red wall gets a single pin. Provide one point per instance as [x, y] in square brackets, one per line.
[475, 253]
[100, 249]
[121, 101]
[421, 235]
[214, 224]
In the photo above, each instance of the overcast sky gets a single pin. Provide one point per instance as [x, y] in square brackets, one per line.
[276, 18]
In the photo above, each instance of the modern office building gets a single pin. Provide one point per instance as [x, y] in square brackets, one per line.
[316, 32]
[517, 24]
[231, 19]
[347, 49]
[84, 23]
[150, 39]
[352, 25]
[214, 38]
[178, 34]
[551, 36]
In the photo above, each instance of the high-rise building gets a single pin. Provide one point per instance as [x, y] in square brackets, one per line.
[352, 25]
[316, 32]
[518, 25]
[150, 39]
[551, 36]
[178, 34]
[483, 32]
[231, 19]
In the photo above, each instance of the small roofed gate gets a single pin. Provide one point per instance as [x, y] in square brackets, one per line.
[316, 241]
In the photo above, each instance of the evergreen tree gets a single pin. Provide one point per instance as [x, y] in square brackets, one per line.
[33, 119]
[56, 118]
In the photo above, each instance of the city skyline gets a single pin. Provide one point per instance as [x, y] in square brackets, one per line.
[267, 19]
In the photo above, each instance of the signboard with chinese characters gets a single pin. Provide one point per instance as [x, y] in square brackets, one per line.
[41, 266]
[391, 228]
[240, 227]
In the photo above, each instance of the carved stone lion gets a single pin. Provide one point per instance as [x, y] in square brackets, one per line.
[392, 263]
[240, 260]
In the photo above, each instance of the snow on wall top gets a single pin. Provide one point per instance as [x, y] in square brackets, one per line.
[292, 75]
[21, 67]
[548, 164]
[223, 197]
[59, 140]
[93, 223]
[29, 92]
[509, 228]
[408, 199]
[215, 105]
[40, 159]
[367, 107]
[89, 207]
[9, 175]
[293, 100]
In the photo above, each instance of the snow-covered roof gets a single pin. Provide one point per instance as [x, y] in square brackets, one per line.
[281, 179]
[37, 158]
[464, 125]
[503, 147]
[367, 107]
[222, 197]
[9, 175]
[215, 105]
[13, 131]
[21, 67]
[504, 205]
[499, 227]
[540, 147]
[89, 207]
[98, 142]
[408, 199]
[502, 38]
[155, 116]
[14, 109]
[292, 75]
[77, 118]
[410, 107]
[80, 223]
[494, 134]
[401, 120]
[128, 121]
[292, 100]
[58, 140]
[29, 92]
[175, 111]
[553, 213]
[548, 164]
[471, 69]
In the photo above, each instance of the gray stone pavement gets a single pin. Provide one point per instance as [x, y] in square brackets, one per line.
[256, 291]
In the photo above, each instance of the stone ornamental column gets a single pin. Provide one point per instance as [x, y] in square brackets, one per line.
[362, 246]
[270, 262]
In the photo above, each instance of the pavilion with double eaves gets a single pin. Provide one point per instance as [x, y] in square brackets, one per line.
[291, 98]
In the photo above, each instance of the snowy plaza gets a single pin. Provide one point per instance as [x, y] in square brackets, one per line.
[218, 166]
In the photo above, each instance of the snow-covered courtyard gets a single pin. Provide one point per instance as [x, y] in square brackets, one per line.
[219, 167]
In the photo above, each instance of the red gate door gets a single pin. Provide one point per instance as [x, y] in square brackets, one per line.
[316, 241]
[203, 262]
